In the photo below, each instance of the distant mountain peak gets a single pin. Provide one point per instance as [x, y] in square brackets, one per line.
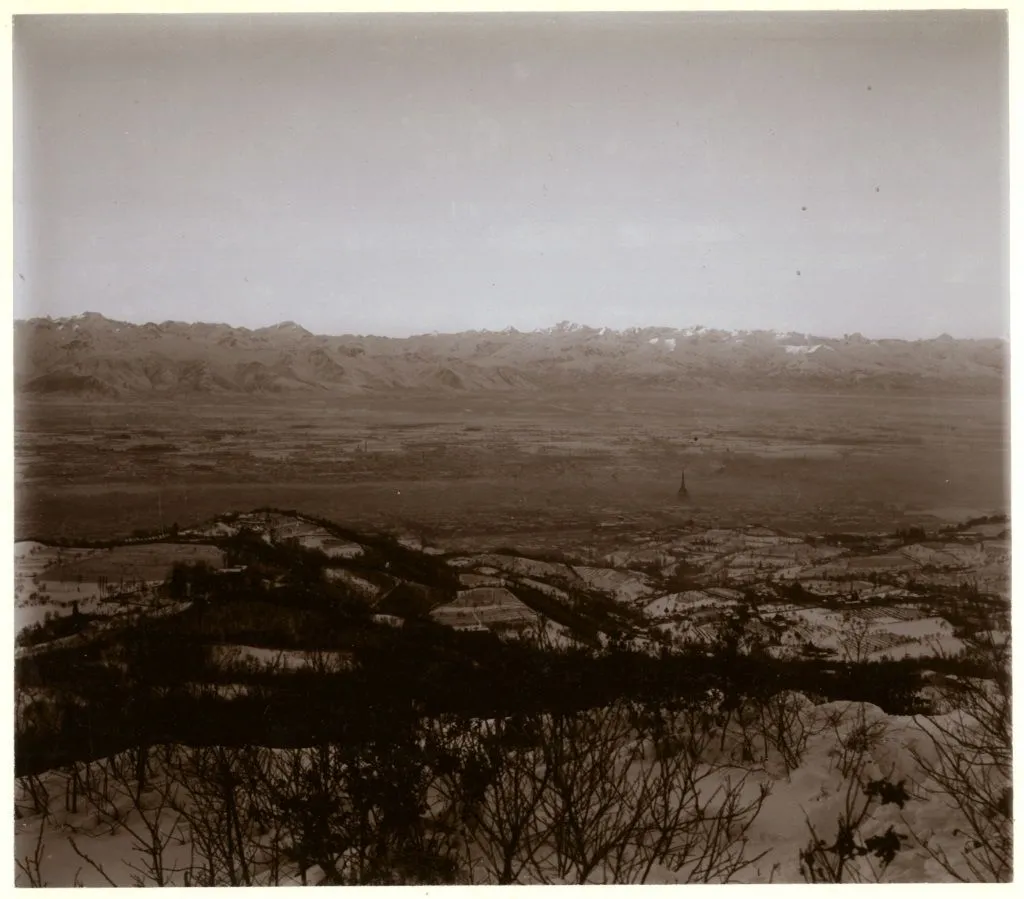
[108, 358]
[565, 327]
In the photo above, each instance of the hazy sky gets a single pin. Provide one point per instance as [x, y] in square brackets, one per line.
[399, 174]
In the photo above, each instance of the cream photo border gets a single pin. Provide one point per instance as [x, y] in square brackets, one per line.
[78, 7]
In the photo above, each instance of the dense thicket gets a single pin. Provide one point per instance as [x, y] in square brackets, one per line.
[101, 706]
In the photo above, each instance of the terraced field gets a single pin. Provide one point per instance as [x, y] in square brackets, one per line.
[806, 589]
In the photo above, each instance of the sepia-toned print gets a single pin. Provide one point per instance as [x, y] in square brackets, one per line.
[535, 449]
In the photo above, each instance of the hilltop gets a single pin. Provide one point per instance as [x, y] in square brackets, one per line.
[92, 357]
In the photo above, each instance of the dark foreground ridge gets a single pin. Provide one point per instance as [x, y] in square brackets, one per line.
[370, 694]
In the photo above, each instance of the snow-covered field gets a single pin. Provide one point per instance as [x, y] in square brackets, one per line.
[687, 602]
[483, 616]
[529, 567]
[360, 585]
[332, 547]
[945, 644]
[57, 599]
[481, 579]
[624, 586]
[51, 579]
[484, 607]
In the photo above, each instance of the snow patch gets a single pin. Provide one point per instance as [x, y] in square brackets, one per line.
[801, 350]
[27, 547]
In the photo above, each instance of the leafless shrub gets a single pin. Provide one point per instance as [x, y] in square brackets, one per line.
[31, 865]
[591, 806]
[355, 810]
[598, 801]
[785, 727]
[30, 785]
[95, 865]
[221, 815]
[127, 798]
[856, 741]
[305, 792]
[969, 768]
[855, 639]
[698, 814]
[323, 663]
[505, 821]
[836, 862]
[618, 794]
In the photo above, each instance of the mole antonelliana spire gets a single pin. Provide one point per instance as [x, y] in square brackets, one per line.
[682, 493]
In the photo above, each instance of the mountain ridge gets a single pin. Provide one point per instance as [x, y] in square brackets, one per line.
[90, 356]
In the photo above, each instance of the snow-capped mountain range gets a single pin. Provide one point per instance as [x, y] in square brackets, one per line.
[91, 356]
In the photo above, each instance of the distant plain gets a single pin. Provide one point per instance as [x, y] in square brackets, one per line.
[566, 469]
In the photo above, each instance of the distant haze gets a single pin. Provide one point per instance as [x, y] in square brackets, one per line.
[826, 172]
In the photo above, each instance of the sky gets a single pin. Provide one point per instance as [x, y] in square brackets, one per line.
[828, 173]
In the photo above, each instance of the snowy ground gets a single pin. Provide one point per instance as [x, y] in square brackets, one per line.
[332, 547]
[50, 579]
[625, 586]
[484, 607]
[362, 586]
[814, 793]
[755, 557]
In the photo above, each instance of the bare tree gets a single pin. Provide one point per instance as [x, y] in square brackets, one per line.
[856, 738]
[506, 821]
[785, 727]
[855, 638]
[308, 785]
[697, 818]
[219, 811]
[610, 797]
[592, 806]
[355, 810]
